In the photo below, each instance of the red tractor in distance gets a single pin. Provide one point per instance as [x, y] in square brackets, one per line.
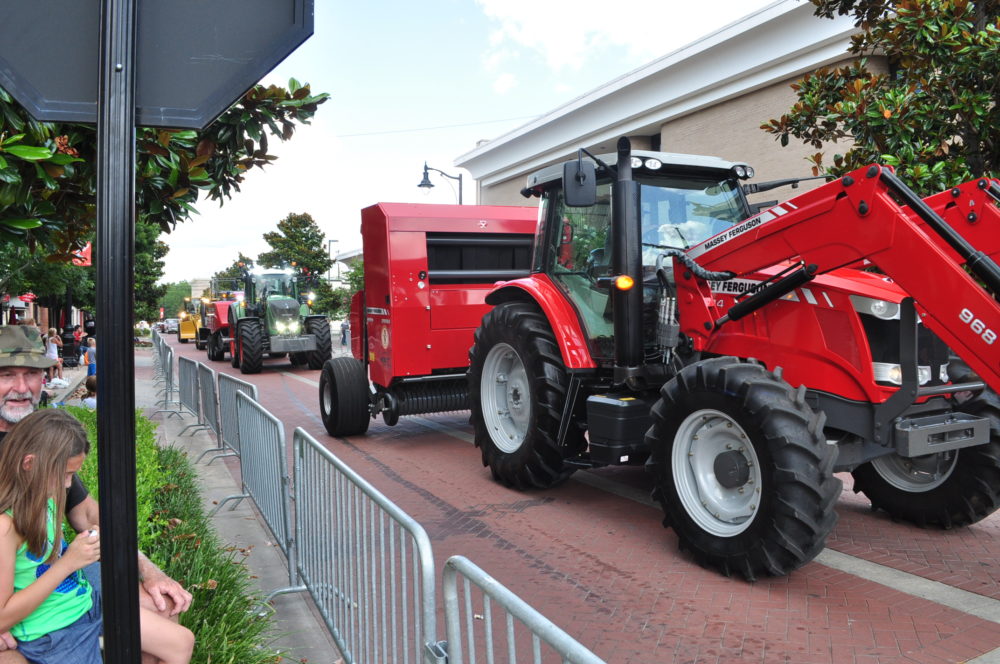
[214, 333]
[745, 358]
[427, 270]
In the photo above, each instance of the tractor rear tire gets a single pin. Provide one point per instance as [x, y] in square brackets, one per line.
[251, 346]
[944, 490]
[743, 471]
[517, 388]
[343, 397]
[320, 328]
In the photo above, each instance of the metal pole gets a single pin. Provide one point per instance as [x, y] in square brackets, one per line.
[116, 367]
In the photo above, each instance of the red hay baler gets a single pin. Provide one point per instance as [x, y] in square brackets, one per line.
[427, 271]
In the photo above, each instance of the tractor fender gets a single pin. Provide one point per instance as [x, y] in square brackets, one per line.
[558, 311]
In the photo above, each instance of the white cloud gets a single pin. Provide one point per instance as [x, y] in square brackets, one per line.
[504, 83]
[569, 34]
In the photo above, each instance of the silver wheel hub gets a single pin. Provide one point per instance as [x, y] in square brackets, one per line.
[505, 397]
[716, 473]
[916, 474]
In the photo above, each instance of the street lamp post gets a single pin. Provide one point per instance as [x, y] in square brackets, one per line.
[427, 184]
[329, 252]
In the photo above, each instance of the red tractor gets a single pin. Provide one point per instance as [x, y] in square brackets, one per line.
[214, 335]
[745, 358]
[428, 269]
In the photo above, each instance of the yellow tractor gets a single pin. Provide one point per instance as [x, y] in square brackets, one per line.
[189, 322]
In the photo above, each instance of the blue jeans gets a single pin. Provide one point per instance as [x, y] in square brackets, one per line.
[77, 643]
[91, 369]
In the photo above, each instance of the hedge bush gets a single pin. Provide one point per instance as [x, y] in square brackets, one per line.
[176, 535]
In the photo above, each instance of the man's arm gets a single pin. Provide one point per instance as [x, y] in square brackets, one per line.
[85, 515]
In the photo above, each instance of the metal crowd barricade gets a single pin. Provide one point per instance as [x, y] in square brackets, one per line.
[367, 564]
[168, 387]
[496, 644]
[187, 379]
[229, 422]
[264, 469]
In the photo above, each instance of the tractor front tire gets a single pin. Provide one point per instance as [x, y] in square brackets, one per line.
[234, 353]
[517, 389]
[343, 397]
[743, 471]
[251, 346]
[945, 490]
[319, 328]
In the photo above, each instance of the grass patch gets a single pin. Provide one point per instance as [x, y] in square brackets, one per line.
[175, 533]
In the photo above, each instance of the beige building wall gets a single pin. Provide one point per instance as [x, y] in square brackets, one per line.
[730, 130]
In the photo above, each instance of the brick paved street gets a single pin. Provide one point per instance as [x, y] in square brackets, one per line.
[593, 556]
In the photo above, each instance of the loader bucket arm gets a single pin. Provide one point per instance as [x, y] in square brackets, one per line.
[971, 210]
[857, 218]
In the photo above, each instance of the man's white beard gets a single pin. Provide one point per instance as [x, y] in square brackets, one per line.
[14, 414]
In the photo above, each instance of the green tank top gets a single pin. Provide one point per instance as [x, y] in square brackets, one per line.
[70, 600]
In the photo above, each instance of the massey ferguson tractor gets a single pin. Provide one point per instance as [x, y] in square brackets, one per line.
[427, 269]
[746, 359]
[273, 318]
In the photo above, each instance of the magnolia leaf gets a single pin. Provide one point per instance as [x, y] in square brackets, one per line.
[22, 224]
[28, 152]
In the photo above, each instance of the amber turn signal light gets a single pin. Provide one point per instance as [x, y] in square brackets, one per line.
[624, 282]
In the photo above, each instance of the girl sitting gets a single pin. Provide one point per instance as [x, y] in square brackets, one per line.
[50, 593]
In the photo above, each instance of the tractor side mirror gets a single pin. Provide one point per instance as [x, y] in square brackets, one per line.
[580, 183]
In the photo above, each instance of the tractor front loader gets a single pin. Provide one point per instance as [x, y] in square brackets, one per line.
[274, 318]
[744, 359]
[189, 320]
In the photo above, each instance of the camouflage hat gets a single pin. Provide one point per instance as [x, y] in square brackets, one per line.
[22, 346]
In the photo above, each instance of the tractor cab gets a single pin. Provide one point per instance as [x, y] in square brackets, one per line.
[604, 255]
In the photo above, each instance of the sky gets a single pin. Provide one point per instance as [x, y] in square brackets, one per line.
[415, 82]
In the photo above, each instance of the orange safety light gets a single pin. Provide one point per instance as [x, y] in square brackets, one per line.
[624, 282]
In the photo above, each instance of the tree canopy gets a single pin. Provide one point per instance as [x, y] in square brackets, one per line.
[934, 115]
[48, 170]
[48, 183]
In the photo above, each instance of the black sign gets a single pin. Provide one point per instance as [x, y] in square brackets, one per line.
[194, 58]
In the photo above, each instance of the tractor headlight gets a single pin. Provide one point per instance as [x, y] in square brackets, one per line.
[280, 326]
[311, 296]
[293, 327]
[878, 308]
[893, 373]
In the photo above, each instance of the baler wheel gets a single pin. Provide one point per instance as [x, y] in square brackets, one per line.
[742, 468]
[214, 348]
[297, 359]
[517, 388]
[276, 356]
[947, 489]
[320, 328]
[343, 397]
[251, 346]
[234, 353]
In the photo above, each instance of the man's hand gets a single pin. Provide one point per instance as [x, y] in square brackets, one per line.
[160, 586]
[7, 642]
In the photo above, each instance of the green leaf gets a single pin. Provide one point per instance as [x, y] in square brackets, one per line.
[63, 159]
[23, 224]
[28, 152]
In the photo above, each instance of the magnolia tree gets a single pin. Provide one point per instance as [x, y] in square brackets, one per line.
[934, 115]
[48, 174]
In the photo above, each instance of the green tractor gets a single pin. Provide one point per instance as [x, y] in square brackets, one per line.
[274, 318]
